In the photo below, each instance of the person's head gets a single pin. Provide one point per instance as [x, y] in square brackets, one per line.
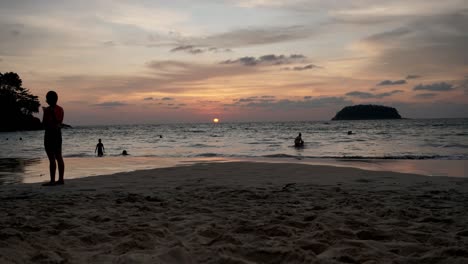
[52, 98]
[99, 140]
[124, 152]
[300, 134]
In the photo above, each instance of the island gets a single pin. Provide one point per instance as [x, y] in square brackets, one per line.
[367, 112]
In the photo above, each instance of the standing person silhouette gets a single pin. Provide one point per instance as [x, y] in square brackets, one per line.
[100, 149]
[52, 121]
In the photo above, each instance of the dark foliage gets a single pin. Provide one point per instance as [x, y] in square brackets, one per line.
[17, 105]
[366, 112]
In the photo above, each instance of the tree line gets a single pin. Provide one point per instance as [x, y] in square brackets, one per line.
[17, 105]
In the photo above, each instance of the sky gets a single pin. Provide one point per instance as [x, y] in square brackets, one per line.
[142, 61]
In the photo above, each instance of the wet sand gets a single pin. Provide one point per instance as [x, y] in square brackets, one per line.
[238, 212]
[14, 171]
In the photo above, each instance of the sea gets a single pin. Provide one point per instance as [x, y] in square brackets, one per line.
[405, 139]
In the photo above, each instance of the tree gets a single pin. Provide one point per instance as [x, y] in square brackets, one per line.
[17, 105]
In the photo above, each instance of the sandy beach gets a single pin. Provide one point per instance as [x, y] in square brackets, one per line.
[238, 212]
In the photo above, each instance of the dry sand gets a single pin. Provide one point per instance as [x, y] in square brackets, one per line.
[238, 212]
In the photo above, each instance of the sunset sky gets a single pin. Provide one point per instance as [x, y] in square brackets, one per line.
[239, 60]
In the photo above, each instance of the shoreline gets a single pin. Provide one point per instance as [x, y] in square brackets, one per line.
[238, 212]
[13, 171]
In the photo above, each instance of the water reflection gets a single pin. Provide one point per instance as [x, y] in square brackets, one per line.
[14, 170]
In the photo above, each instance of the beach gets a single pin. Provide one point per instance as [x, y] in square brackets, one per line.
[238, 212]
[234, 132]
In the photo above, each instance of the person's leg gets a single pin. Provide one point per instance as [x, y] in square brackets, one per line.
[61, 167]
[52, 166]
[49, 148]
[59, 158]
[60, 163]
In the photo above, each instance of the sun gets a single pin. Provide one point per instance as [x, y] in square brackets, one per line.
[215, 120]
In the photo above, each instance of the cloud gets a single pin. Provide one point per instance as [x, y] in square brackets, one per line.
[380, 12]
[287, 104]
[167, 99]
[168, 65]
[247, 100]
[139, 16]
[389, 35]
[161, 78]
[148, 99]
[24, 39]
[214, 49]
[249, 61]
[426, 95]
[269, 59]
[413, 77]
[197, 49]
[208, 101]
[363, 95]
[257, 99]
[301, 68]
[110, 104]
[188, 48]
[109, 43]
[367, 95]
[435, 87]
[306, 67]
[389, 82]
[434, 44]
[380, 95]
[255, 36]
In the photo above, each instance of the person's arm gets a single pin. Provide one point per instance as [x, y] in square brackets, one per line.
[60, 115]
[96, 149]
[43, 116]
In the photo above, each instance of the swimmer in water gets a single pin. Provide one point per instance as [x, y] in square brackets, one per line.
[298, 142]
[99, 149]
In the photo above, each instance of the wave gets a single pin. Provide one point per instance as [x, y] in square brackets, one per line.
[86, 155]
[464, 146]
[195, 131]
[208, 155]
[280, 155]
[288, 156]
[395, 157]
[78, 155]
[201, 146]
[456, 146]
[402, 157]
[263, 142]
